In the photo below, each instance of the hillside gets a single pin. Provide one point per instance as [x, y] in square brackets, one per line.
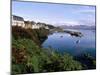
[37, 35]
[29, 57]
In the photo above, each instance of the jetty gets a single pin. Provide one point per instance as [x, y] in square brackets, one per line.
[72, 33]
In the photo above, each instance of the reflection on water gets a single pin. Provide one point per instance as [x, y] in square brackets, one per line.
[64, 42]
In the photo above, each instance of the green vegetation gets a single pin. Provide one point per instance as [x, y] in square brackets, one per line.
[29, 57]
[37, 35]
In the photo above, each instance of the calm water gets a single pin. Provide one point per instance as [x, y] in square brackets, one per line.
[64, 42]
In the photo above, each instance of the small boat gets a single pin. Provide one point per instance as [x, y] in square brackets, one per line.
[61, 36]
[77, 41]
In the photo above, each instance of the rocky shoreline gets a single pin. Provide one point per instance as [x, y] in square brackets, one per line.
[72, 33]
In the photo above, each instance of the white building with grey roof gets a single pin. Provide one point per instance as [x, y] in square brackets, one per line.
[17, 21]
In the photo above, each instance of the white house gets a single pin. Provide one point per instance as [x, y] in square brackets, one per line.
[35, 26]
[40, 25]
[17, 21]
[28, 24]
[46, 27]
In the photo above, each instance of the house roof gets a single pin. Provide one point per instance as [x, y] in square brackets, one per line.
[39, 23]
[18, 18]
[29, 22]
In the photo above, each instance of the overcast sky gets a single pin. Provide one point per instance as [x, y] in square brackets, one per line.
[55, 13]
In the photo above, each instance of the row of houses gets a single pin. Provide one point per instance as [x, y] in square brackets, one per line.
[19, 21]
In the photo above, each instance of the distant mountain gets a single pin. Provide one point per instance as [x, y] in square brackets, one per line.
[78, 27]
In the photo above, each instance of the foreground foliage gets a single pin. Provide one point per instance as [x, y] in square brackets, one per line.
[29, 57]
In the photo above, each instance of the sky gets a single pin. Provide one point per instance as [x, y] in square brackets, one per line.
[56, 14]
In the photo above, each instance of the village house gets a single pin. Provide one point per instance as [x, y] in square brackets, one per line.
[17, 21]
[42, 25]
[46, 27]
[35, 26]
[28, 24]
